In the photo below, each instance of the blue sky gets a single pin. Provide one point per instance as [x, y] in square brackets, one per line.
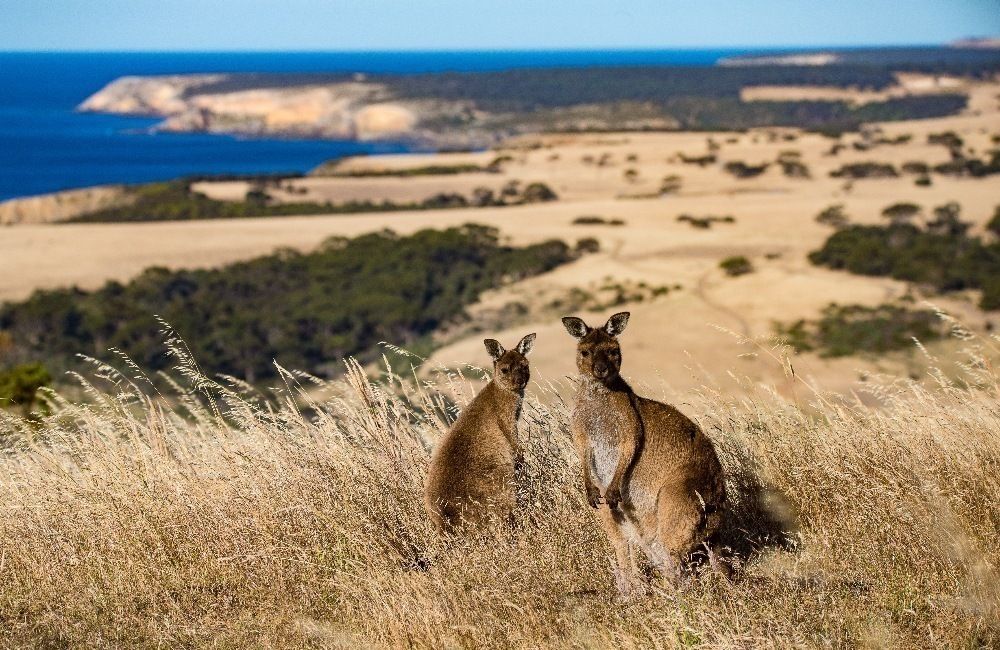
[474, 24]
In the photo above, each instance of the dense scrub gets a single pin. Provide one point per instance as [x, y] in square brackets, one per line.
[175, 200]
[939, 253]
[331, 169]
[306, 310]
[201, 519]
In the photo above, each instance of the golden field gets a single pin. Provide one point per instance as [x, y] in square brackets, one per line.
[204, 518]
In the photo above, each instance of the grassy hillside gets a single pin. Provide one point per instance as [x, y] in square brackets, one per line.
[206, 520]
[305, 310]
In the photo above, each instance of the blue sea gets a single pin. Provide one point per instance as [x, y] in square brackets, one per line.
[45, 145]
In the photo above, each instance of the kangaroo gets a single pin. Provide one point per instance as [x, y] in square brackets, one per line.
[649, 471]
[471, 475]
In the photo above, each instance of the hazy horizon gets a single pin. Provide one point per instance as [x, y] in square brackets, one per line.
[432, 50]
[450, 25]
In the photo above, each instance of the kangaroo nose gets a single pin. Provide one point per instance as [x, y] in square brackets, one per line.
[600, 368]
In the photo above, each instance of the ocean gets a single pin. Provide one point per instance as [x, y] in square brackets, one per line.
[45, 145]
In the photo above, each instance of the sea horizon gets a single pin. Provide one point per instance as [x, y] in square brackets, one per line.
[46, 145]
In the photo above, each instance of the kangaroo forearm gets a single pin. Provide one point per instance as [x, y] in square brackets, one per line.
[624, 462]
[588, 478]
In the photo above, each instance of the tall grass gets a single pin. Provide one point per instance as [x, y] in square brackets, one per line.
[213, 516]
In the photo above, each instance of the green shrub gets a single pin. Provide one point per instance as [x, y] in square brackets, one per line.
[948, 139]
[705, 222]
[794, 169]
[916, 167]
[588, 245]
[593, 220]
[701, 161]
[833, 216]
[901, 212]
[19, 385]
[740, 169]
[736, 265]
[538, 193]
[670, 184]
[845, 330]
[865, 170]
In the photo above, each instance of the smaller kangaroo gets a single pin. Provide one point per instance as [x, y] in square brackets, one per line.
[659, 476]
[471, 475]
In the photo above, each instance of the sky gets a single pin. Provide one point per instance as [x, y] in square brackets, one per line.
[475, 24]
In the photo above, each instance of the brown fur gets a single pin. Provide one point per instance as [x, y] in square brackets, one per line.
[651, 473]
[471, 477]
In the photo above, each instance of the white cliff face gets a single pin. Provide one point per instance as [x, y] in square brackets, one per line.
[349, 110]
[145, 95]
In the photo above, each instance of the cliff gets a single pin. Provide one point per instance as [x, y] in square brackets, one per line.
[60, 206]
[351, 109]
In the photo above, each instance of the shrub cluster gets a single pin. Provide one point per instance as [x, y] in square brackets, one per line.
[593, 220]
[844, 330]
[939, 253]
[740, 169]
[175, 200]
[706, 222]
[304, 310]
[865, 170]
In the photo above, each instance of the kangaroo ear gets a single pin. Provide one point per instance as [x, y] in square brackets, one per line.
[494, 348]
[616, 324]
[524, 345]
[575, 326]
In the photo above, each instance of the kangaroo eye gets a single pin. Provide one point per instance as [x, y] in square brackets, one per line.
[505, 370]
[584, 353]
[615, 353]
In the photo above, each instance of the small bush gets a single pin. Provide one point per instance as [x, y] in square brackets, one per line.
[538, 193]
[705, 222]
[833, 216]
[701, 161]
[587, 245]
[916, 167]
[901, 212]
[670, 184]
[740, 169]
[591, 220]
[736, 265]
[865, 170]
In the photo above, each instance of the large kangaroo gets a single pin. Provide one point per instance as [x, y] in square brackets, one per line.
[472, 471]
[660, 479]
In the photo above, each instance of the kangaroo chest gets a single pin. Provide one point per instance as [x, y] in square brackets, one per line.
[605, 425]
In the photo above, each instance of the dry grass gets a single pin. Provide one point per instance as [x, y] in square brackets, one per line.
[212, 517]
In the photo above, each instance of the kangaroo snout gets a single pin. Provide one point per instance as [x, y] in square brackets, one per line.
[601, 369]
